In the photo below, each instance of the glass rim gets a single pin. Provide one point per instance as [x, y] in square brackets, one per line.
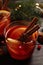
[14, 23]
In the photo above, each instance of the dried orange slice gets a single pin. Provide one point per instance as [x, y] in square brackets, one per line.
[5, 13]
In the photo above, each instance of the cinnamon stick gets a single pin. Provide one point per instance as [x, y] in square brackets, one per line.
[1, 3]
[33, 22]
[29, 33]
[5, 4]
[32, 30]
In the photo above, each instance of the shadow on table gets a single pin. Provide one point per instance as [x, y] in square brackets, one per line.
[7, 60]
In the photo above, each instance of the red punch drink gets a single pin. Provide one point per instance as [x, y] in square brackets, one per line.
[4, 20]
[15, 47]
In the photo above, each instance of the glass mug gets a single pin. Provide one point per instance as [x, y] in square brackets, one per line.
[4, 20]
[16, 49]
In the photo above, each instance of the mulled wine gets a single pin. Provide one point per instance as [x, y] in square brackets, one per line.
[15, 47]
[4, 20]
[21, 39]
